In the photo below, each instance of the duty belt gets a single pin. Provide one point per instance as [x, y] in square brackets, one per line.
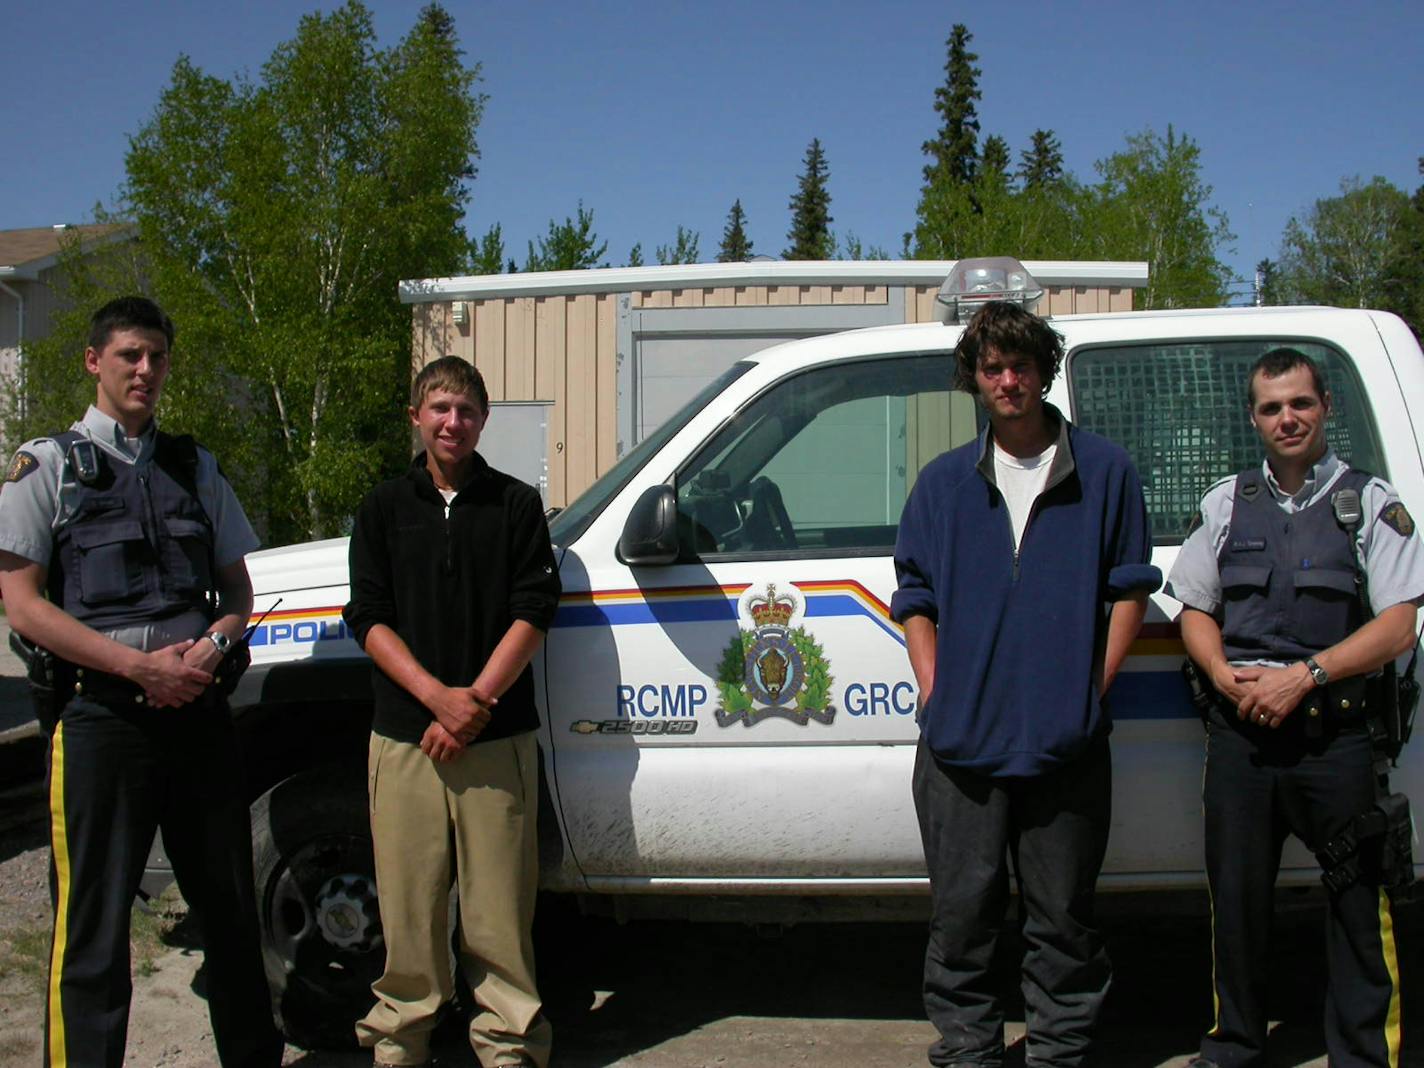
[103, 687]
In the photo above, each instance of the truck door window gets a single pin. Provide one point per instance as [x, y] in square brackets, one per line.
[822, 461]
[1179, 409]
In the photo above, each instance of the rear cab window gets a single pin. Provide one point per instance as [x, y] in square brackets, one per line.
[1179, 409]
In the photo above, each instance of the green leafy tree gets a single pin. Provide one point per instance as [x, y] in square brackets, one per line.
[1407, 267]
[635, 255]
[1041, 164]
[954, 151]
[810, 233]
[682, 250]
[569, 246]
[275, 217]
[1346, 249]
[487, 254]
[1151, 204]
[736, 246]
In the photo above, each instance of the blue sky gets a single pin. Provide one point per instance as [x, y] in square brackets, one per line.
[660, 114]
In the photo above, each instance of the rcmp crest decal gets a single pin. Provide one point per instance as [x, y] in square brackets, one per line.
[21, 466]
[1397, 517]
[773, 667]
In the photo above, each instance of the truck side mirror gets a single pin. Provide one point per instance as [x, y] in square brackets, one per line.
[649, 537]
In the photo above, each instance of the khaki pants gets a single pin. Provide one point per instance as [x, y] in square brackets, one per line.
[472, 820]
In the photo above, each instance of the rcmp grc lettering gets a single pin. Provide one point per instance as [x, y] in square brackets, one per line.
[650, 701]
[880, 699]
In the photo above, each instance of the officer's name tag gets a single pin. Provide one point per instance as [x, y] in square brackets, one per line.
[1247, 545]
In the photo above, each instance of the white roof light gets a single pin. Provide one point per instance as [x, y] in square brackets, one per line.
[977, 281]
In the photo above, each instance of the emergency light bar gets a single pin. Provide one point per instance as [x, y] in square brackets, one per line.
[976, 281]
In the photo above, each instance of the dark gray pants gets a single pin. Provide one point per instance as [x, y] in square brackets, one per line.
[1055, 827]
[1261, 785]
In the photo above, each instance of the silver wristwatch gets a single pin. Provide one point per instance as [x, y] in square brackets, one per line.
[1318, 673]
[221, 642]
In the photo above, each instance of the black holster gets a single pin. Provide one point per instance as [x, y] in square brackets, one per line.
[40, 671]
[1377, 843]
[231, 668]
[1393, 699]
[1203, 693]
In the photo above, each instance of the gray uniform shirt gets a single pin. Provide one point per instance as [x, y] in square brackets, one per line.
[39, 496]
[1387, 543]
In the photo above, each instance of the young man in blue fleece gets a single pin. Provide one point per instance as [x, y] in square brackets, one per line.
[1023, 568]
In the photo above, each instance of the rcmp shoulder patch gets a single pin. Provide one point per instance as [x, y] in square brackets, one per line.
[20, 466]
[1398, 519]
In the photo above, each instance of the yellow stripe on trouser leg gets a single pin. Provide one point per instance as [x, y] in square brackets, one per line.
[59, 844]
[1391, 963]
[1211, 903]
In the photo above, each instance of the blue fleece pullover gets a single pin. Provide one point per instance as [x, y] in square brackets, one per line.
[1020, 632]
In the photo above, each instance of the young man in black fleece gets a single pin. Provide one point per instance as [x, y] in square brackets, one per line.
[453, 585]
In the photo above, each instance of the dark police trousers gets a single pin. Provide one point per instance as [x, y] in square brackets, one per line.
[1055, 827]
[1259, 786]
[117, 771]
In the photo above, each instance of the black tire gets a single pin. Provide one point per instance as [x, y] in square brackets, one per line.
[316, 904]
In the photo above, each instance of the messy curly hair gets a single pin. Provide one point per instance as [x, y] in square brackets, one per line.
[1007, 328]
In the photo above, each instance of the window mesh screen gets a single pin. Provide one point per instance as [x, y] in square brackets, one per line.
[1180, 411]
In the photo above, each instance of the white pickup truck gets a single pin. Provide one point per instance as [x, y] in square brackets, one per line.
[684, 764]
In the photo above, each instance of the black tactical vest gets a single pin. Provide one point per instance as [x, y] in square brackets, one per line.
[139, 546]
[1288, 579]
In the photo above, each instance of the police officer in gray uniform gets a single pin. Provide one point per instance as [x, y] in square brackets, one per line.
[1273, 617]
[121, 553]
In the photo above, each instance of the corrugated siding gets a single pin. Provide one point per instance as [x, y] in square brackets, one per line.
[556, 349]
[1060, 300]
[744, 296]
[9, 319]
[42, 301]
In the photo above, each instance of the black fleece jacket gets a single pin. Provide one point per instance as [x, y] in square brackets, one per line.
[451, 587]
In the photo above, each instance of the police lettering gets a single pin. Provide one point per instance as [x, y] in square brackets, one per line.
[302, 631]
[663, 700]
[880, 698]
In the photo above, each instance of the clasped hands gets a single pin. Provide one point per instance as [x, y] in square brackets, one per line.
[461, 713]
[177, 674]
[1264, 695]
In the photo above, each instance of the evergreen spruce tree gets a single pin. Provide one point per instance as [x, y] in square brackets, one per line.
[736, 247]
[994, 162]
[953, 153]
[810, 233]
[1041, 164]
[947, 199]
[1267, 284]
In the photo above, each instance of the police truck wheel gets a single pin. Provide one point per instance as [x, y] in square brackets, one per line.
[316, 905]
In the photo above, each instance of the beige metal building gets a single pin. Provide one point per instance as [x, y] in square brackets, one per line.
[585, 363]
